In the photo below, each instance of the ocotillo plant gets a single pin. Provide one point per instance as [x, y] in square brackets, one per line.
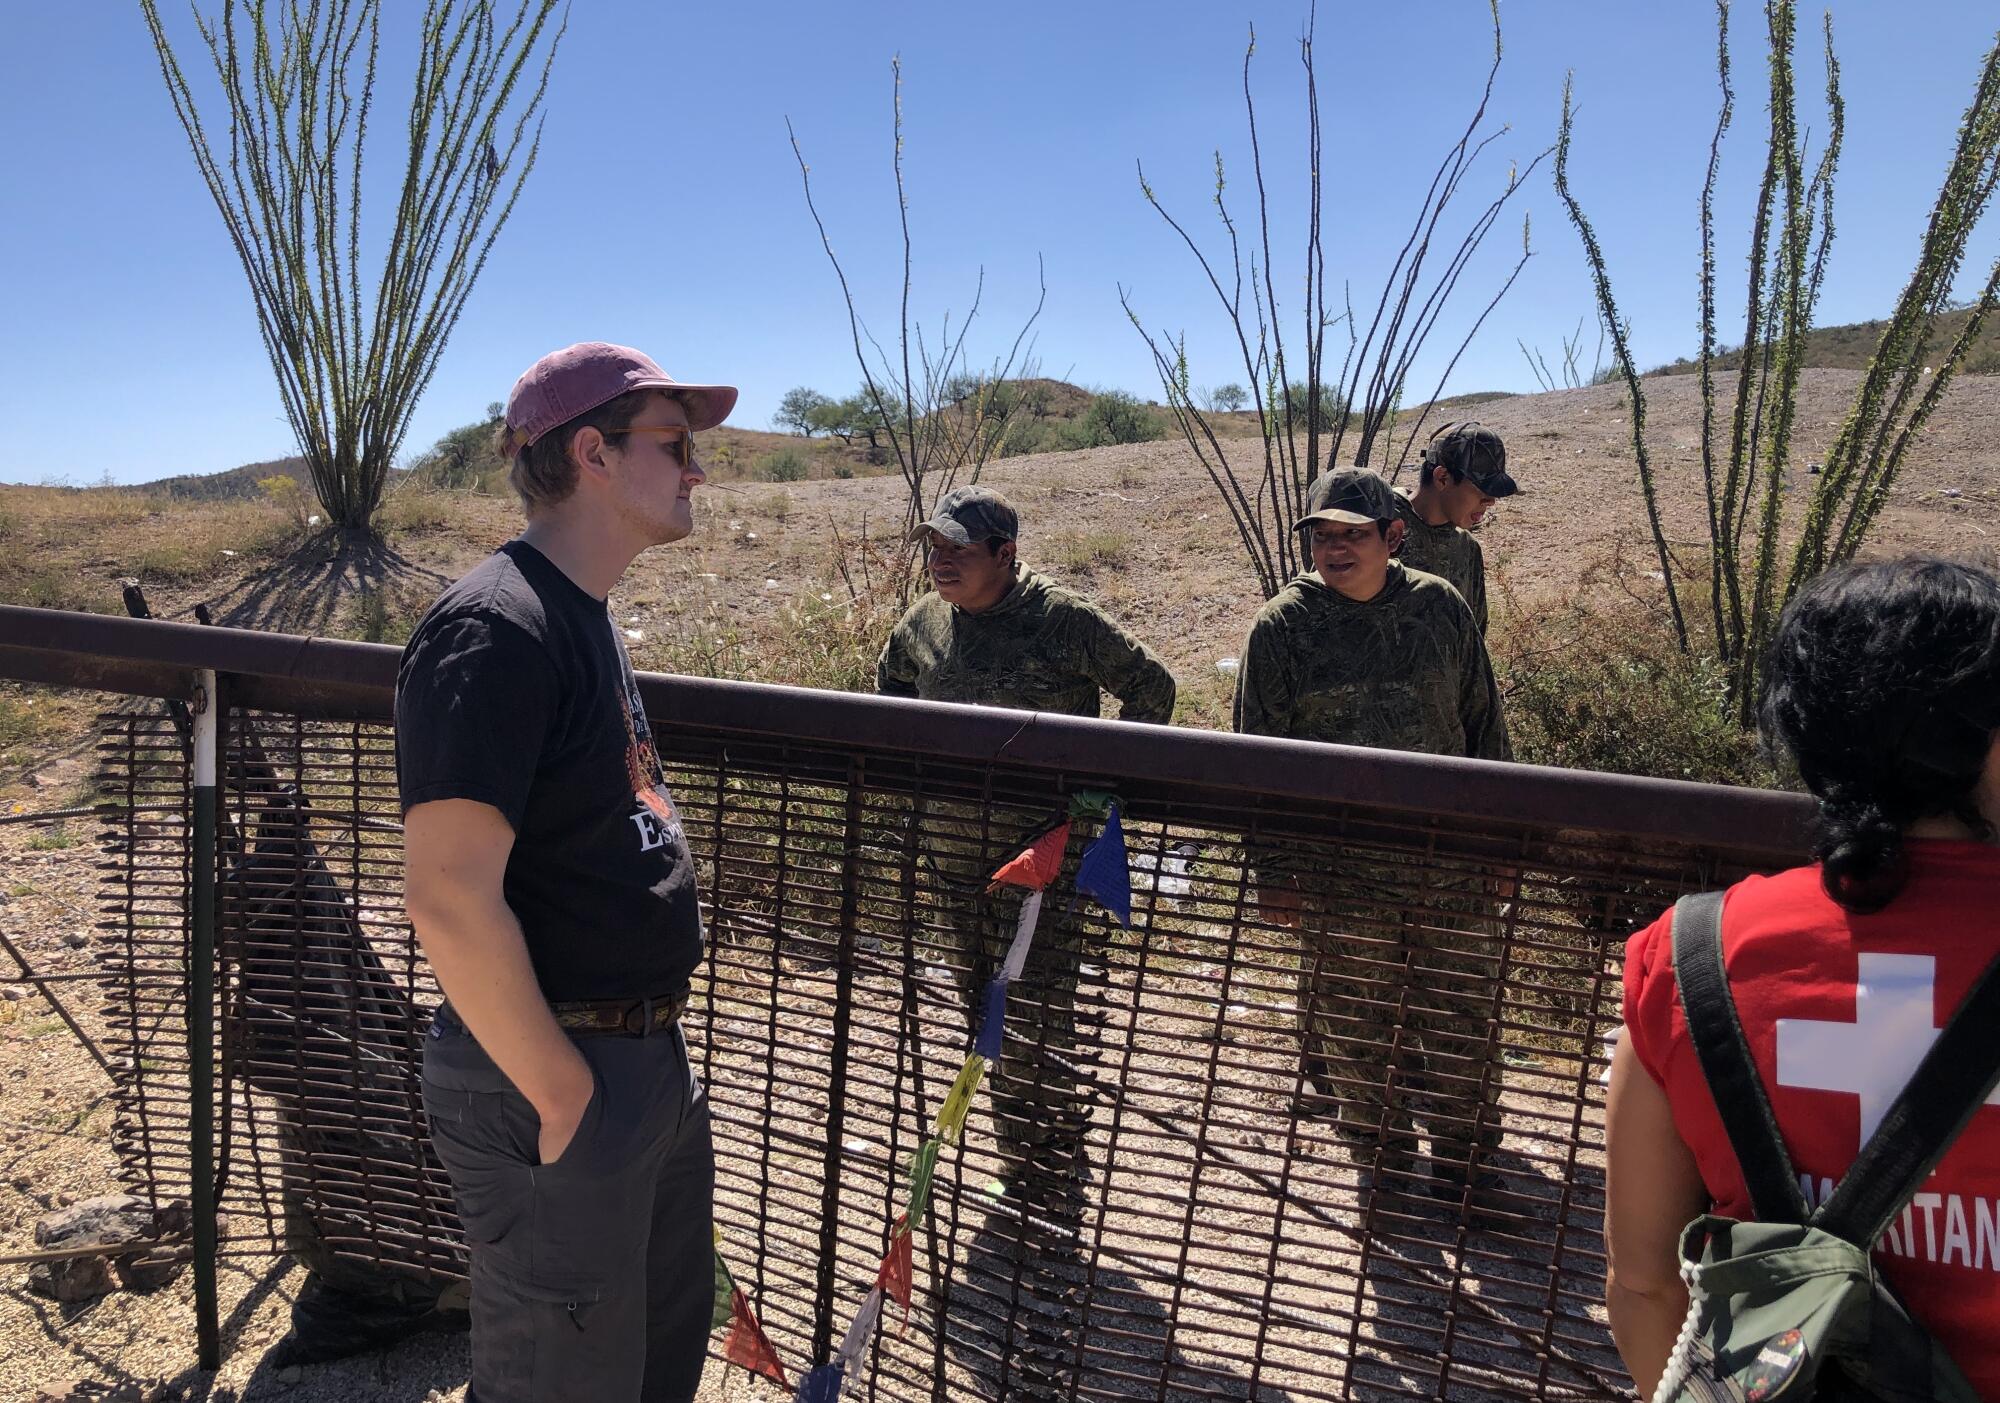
[1370, 389]
[943, 420]
[1750, 576]
[297, 83]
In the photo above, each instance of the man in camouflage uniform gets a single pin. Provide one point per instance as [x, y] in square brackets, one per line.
[1366, 651]
[996, 634]
[1464, 474]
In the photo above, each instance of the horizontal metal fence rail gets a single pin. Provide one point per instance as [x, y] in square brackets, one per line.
[1225, 1155]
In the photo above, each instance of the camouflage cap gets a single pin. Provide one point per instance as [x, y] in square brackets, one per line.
[1475, 451]
[1351, 496]
[968, 514]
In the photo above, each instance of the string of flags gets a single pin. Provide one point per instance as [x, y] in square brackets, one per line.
[1103, 873]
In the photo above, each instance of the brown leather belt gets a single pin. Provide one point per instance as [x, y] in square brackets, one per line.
[632, 1018]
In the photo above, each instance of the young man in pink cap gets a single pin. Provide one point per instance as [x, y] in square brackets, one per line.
[551, 888]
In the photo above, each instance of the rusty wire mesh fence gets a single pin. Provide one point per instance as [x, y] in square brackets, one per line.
[1323, 1122]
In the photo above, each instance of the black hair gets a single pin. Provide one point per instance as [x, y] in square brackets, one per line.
[1883, 684]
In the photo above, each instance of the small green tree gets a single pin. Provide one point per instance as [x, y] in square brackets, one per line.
[1227, 399]
[352, 355]
[1115, 416]
[802, 411]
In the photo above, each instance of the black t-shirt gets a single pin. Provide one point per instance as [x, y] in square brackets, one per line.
[515, 691]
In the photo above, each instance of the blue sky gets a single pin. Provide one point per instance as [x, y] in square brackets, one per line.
[666, 210]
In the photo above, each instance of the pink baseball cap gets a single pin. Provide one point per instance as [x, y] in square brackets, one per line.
[579, 378]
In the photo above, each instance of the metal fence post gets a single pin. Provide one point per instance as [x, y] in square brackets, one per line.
[201, 1023]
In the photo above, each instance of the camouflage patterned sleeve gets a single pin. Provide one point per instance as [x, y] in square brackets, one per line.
[1126, 668]
[1475, 595]
[896, 670]
[1264, 691]
[1485, 719]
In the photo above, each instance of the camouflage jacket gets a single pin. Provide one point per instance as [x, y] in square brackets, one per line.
[1405, 671]
[1040, 648]
[1449, 552]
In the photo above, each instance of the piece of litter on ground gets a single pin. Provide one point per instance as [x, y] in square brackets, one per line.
[854, 1144]
[312, 521]
[1226, 666]
[637, 635]
[749, 535]
[1238, 1010]
[937, 972]
[230, 553]
[710, 575]
[1286, 1007]
[770, 584]
[826, 599]
[735, 526]
[994, 1188]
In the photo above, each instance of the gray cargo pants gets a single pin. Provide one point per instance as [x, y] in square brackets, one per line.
[592, 1277]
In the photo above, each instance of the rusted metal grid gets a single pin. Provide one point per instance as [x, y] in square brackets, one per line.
[1223, 1241]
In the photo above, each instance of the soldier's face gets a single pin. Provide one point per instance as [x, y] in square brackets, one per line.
[970, 576]
[1354, 560]
[1466, 503]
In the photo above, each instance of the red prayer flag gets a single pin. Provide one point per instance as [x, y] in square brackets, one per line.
[747, 1344]
[895, 1274]
[1037, 864]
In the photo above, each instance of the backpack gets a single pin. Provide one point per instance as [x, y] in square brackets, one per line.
[1790, 1307]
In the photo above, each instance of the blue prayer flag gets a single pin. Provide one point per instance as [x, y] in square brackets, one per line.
[994, 1027]
[822, 1385]
[1105, 872]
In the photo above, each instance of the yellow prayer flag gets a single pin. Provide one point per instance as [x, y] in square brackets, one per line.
[957, 1101]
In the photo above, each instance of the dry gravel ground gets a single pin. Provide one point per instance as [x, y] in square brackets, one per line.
[1174, 572]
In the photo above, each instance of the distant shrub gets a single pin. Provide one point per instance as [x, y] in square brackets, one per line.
[1330, 409]
[783, 465]
[1117, 417]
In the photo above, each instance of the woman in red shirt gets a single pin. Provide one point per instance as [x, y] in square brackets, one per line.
[1883, 686]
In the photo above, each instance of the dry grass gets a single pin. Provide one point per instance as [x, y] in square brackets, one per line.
[1086, 552]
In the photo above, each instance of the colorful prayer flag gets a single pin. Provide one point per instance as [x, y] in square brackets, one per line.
[994, 1025]
[747, 1343]
[897, 1273]
[1024, 936]
[1038, 864]
[859, 1330]
[1106, 873]
[957, 1101]
[923, 1164]
[822, 1385]
[1090, 803]
[721, 1312]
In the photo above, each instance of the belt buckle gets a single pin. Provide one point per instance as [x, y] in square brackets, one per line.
[644, 1008]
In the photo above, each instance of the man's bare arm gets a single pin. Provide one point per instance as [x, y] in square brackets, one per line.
[455, 856]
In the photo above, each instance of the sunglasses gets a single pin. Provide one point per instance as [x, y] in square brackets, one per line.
[680, 440]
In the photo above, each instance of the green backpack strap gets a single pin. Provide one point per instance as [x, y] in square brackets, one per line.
[1948, 1087]
[1726, 1063]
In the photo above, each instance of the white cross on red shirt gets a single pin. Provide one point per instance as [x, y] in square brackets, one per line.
[1895, 1023]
